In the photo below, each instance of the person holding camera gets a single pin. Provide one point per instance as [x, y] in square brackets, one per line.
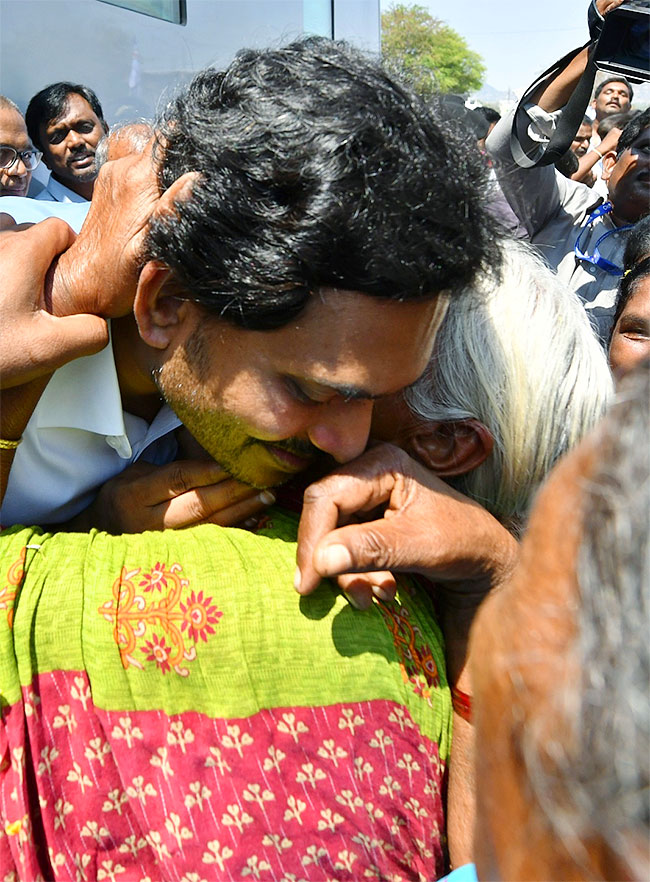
[581, 235]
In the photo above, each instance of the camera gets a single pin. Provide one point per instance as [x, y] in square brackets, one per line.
[624, 44]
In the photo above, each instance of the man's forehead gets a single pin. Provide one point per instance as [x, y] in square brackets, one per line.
[75, 105]
[12, 127]
[344, 340]
[616, 86]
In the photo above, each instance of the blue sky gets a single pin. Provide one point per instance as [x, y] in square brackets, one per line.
[516, 38]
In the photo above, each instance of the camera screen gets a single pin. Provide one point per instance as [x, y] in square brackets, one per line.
[624, 45]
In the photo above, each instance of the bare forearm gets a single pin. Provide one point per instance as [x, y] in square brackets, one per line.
[16, 407]
[461, 793]
[556, 94]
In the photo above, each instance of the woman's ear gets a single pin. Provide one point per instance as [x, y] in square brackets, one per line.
[158, 310]
[451, 448]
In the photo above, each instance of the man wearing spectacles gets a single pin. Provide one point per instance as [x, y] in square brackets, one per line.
[18, 158]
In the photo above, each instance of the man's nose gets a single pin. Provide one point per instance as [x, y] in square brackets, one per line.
[342, 428]
[18, 169]
[74, 140]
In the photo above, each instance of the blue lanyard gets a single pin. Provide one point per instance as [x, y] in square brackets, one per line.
[596, 258]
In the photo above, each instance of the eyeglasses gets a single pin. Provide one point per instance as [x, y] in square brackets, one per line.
[8, 155]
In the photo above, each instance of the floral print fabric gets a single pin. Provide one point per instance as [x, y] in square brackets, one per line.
[171, 710]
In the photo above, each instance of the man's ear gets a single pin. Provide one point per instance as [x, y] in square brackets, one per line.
[451, 448]
[158, 311]
[609, 161]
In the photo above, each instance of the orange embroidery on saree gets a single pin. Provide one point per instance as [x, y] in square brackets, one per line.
[184, 619]
[10, 591]
[416, 659]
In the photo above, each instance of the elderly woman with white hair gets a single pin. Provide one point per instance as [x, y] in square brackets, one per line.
[516, 379]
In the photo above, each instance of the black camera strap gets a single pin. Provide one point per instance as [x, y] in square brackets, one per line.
[570, 118]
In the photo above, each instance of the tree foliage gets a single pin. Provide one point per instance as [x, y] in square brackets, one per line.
[434, 56]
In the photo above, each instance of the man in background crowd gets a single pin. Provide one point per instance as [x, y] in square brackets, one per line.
[580, 143]
[66, 122]
[613, 95]
[18, 158]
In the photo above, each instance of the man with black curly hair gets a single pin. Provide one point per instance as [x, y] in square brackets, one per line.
[306, 264]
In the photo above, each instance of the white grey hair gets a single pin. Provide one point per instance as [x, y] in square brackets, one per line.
[8, 104]
[518, 354]
[139, 135]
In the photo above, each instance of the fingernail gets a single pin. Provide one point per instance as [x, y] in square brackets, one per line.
[297, 579]
[267, 497]
[360, 605]
[333, 560]
[383, 593]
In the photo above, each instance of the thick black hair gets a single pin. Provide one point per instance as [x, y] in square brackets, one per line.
[318, 169]
[491, 115]
[50, 102]
[615, 120]
[633, 129]
[614, 79]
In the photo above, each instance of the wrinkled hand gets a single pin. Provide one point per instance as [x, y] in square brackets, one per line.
[99, 274]
[426, 528]
[34, 343]
[183, 493]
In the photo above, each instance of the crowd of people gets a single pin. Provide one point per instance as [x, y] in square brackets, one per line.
[308, 329]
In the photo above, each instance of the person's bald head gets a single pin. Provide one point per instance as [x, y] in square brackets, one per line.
[561, 667]
[16, 174]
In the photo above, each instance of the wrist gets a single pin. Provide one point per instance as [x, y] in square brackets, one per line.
[18, 405]
[59, 287]
[461, 703]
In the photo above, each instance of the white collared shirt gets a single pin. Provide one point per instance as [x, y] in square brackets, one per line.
[77, 438]
[55, 191]
[26, 210]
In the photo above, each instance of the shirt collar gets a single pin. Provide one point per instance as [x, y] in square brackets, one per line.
[62, 193]
[84, 394]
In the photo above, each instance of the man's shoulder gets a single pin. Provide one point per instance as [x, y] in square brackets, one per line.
[31, 211]
[55, 191]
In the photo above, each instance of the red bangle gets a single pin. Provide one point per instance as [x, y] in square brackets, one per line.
[461, 703]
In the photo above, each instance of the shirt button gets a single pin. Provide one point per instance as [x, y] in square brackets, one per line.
[592, 270]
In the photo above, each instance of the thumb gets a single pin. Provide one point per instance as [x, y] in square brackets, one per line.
[79, 335]
[359, 548]
[60, 340]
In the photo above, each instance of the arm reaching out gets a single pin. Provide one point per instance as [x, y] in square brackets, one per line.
[34, 342]
[428, 528]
